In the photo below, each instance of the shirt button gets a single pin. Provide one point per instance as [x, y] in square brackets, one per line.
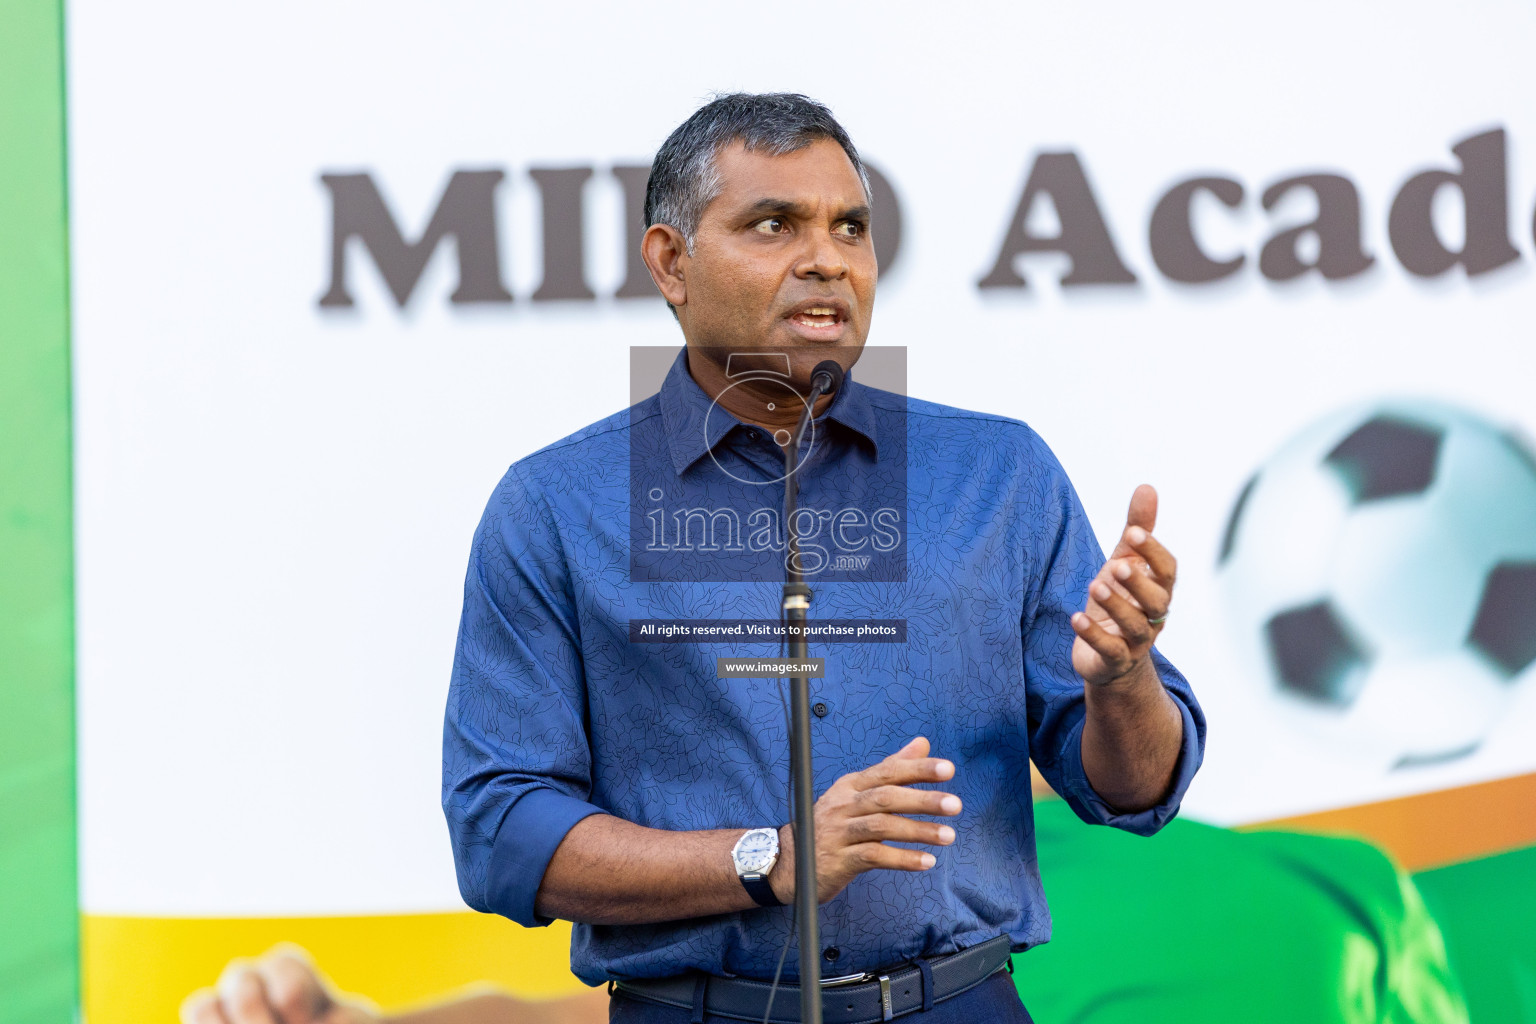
[753, 435]
[820, 709]
[831, 952]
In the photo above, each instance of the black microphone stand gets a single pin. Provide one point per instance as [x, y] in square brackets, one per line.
[796, 603]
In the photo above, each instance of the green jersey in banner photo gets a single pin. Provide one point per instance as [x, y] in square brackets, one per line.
[1261, 927]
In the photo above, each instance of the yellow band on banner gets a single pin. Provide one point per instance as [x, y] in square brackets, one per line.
[138, 969]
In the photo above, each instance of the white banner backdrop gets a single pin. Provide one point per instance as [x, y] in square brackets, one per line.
[275, 497]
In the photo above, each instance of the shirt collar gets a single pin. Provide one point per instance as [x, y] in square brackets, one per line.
[692, 430]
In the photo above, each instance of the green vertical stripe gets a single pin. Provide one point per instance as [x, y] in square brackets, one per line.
[1487, 910]
[38, 915]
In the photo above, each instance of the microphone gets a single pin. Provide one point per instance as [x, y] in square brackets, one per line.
[794, 607]
[793, 610]
[827, 377]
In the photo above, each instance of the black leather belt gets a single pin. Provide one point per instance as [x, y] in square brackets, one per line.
[862, 999]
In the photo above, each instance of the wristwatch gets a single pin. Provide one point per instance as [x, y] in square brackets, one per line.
[754, 856]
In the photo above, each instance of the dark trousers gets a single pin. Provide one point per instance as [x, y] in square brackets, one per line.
[993, 1000]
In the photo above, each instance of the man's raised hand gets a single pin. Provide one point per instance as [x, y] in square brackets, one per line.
[1127, 601]
[863, 812]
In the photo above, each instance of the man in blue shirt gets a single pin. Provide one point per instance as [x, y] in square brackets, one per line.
[595, 777]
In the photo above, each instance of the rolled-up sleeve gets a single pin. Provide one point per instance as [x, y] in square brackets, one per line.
[516, 763]
[1072, 781]
[1057, 710]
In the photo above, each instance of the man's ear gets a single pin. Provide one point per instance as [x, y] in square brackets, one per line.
[665, 252]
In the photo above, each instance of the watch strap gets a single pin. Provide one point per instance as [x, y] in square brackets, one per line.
[761, 892]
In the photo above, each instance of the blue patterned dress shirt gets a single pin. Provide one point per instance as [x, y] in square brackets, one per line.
[555, 713]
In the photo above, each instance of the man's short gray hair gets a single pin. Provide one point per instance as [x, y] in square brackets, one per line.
[684, 179]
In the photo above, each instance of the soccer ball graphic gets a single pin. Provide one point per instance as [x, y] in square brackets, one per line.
[1380, 573]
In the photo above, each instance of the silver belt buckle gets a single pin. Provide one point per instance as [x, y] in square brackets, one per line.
[846, 979]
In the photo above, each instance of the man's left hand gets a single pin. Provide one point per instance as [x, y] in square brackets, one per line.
[1127, 601]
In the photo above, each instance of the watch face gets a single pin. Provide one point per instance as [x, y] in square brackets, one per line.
[756, 851]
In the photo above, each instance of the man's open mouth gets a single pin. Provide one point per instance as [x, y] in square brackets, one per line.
[819, 314]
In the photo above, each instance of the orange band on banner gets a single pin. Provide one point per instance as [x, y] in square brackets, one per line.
[138, 969]
[1430, 830]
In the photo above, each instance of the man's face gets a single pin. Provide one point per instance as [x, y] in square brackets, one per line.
[782, 258]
